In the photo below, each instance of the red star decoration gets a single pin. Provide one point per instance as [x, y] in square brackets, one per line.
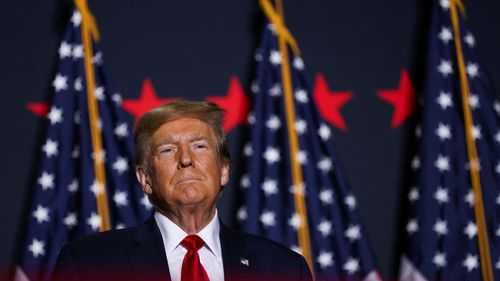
[402, 98]
[40, 109]
[235, 104]
[147, 101]
[329, 102]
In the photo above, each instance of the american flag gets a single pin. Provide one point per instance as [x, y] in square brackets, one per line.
[441, 231]
[339, 246]
[63, 204]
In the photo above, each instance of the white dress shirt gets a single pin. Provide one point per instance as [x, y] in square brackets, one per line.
[210, 254]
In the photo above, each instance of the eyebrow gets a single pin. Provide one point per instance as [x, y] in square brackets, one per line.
[169, 141]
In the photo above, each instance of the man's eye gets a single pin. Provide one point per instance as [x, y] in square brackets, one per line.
[167, 150]
[200, 145]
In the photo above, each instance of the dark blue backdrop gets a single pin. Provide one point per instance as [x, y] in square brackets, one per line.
[190, 49]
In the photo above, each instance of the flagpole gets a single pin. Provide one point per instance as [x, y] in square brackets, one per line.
[284, 37]
[484, 248]
[89, 30]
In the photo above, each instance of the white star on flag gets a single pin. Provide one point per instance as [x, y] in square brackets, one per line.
[445, 4]
[275, 90]
[469, 39]
[353, 233]
[275, 57]
[270, 187]
[70, 220]
[120, 198]
[242, 213]
[99, 93]
[471, 262]
[73, 186]
[444, 100]
[254, 87]
[46, 180]
[251, 118]
[77, 51]
[325, 164]
[325, 259]
[445, 68]
[64, 50]
[267, 218]
[325, 228]
[97, 188]
[298, 63]
[50, 148]
[41, 214]
[326, 196]
[445, 35]
[60, 82]
[295, 221]
[272, 155]
[441, 227]
[120, 165]
[442, 163]
[476, 132]
[146, 203]
[117, 98]
[469, 198]
[441, 195]
[76, 18]
[301, 96]
[37, 248]
[472, 70]
[350, 201]
[99, 156]
[245, 181]
[300, 126]
[324, 132]
[94, 221]
[471, 230]
[497, 137]
[443, 132]
[78, 84]
[473, 101]
[413, 195]
[247, 149]
[415, 163]
[351, 266]
[302, 156]
[412, 226]
[439, 259]
[121, 130]
[273, 123]
[55, 115]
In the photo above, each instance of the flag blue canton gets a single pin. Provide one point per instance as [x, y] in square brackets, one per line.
[63, 204]
[339, 246]
[441, 231]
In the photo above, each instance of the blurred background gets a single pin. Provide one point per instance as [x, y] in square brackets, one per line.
[193, 49]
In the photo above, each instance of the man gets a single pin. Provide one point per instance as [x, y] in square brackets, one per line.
[182, 160]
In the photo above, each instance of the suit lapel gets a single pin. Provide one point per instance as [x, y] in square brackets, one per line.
[148, 254]
[236, 258]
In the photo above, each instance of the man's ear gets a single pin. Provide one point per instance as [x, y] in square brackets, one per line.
[224, 176]
[144, 179]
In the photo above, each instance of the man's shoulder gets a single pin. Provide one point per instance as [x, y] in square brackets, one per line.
[99, 244]
[264, 247]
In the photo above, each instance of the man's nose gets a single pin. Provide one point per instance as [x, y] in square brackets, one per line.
[185, 157]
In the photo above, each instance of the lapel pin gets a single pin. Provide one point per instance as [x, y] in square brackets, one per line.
[244, 262]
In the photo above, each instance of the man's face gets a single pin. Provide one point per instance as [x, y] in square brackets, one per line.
[185, 168]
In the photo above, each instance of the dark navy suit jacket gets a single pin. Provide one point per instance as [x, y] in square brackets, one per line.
[138, 254]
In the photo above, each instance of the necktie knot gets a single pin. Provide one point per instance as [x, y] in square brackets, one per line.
[192, 243]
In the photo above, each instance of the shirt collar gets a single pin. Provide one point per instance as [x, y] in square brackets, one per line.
[172, 234]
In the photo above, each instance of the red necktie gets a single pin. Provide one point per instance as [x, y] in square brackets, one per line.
[192, 269]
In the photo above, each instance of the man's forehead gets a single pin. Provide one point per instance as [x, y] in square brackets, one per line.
[185, 128]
